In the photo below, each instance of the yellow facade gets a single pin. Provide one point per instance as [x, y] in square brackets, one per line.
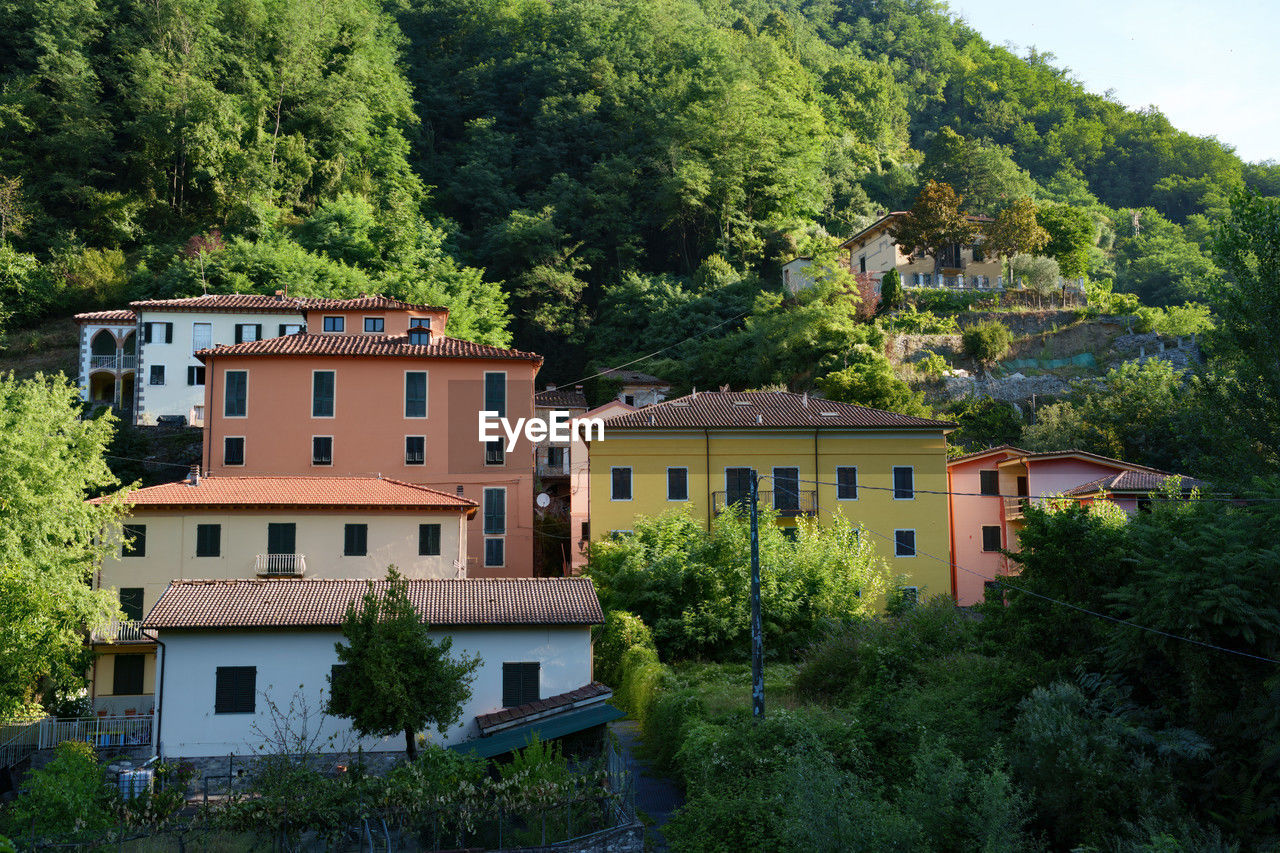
[816, 454]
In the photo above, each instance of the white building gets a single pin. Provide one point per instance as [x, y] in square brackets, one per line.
[109, 359]
[639, 389]
[233, 648]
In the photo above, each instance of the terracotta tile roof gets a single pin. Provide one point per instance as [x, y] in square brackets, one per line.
[120, 316]
[296, 491]
[562, 398]
[763, 410]
[1002, 448]
[322, 603]
[260, 302]
[635, 377]
[366, 303]
[588, 694]
[368, 345]
[250, 302]
[1142, 482]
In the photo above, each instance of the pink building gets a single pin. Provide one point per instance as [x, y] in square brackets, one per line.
[990, 490]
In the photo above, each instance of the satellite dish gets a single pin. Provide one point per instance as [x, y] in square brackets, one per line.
[543, 500]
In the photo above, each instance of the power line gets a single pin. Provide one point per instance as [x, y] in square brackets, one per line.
[660, 351]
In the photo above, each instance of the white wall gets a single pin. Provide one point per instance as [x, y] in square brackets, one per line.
[175, 396]
[298, 662]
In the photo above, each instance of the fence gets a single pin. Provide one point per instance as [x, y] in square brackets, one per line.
[97, 731]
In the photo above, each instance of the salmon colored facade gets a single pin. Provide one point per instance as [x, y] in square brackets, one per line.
[367, 428]
[990, 489]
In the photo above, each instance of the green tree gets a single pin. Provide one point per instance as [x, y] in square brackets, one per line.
[51, 538]
[986, 342]
[869, 380]
[934, 224]
[394, 677]
[1248, 307]
[1015, 231]
[891, 293]
[1040, 274]
[983, 173]
[1071, 234]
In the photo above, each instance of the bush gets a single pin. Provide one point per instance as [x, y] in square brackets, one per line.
[67, 795]
[933, 365]
[1188, 319]
[641, 677]
[913, 322]
[986, 342]
[690, 586]
[891, 294]
[621, 632]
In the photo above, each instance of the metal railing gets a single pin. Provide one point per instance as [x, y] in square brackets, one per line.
[280, 565]
[129, 730]
[121, 631]
[22, 740]
[788, 502]
[113, 362]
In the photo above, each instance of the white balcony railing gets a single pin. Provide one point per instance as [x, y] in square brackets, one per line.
[121, 631]
[113, 362]
[280, 565]
[130, 730]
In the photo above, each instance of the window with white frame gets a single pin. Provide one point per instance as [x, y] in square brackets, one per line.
[847, 483]
[904, 483]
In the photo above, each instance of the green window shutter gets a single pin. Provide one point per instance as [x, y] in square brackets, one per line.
[235, 689]
[520, 683]
[495, 393]
[429, 540]
[208, 540]
[127, 677]
[356, 540]
[415, 394]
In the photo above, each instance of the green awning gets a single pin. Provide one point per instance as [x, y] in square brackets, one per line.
[546, 729]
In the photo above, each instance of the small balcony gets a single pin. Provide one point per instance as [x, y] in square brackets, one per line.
[122, 631]
[786, 503]
[1014, 508]
[547, 468]
[113, 362]
[280, 565]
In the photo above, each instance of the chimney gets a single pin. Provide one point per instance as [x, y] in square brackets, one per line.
[578, 388]
[459, 491]
[804, 400]
[280, 296]
[193, 478]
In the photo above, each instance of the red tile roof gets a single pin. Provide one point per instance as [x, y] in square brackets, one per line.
[1143, 482]
[297, 492]
[320, 603]
[589, 694]
[113, 317]
[562, 398]
[1003, 448]
[260, 302]
[367, 345]
[764, 410]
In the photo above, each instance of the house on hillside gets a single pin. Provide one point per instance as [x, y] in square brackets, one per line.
[374, 386]
[991, 489]
[109, 360]
[638, 389]
[873, 250]
[815, 457]
[262, 527]
[575, 547]
[233, 647]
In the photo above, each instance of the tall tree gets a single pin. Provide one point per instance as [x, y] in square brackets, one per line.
[983, 173]
[51, 538]
[934, 224]
[1071, 235]
[394, 677]
[1015, 231]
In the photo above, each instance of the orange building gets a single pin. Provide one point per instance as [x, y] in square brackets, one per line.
[374, 387]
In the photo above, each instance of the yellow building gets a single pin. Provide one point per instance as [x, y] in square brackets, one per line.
[814, 457]
[262, 528]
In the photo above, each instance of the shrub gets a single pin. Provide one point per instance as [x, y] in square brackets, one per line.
[986, 342]
[621, 631]
[641, 677]
[933, 365]
[891, 294]
[67, 795]
[913, 322]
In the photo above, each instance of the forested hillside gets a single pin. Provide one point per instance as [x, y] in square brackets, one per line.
[561, 166]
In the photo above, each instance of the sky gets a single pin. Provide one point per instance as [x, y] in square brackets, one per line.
[1209, 66]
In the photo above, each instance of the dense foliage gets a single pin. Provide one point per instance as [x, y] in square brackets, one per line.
[689, 586]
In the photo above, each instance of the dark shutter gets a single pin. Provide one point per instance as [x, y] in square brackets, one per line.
[786, 489]
[494, 552]
[415, 449]
[257, 331]
[415, 394]
[235, 688]
[495, 393]
[127, 678]
[168, 333]
[429, 540]
[737, 483]
[904, 543]
[233, 450]
[135, 540]
[493, 452]
[991, 537]
[236, 393]
[990, 481]
[239, 333]
[322, 450]
[283, 330]
[146, 333]
[322, 382]
[131, 603]
[903, 483]
[495, 511]
[281, 538]
[847, 483]
[677, 484]
[520, 683]
[355, 540]
[620, 484]
[195, 375]
[208, 540]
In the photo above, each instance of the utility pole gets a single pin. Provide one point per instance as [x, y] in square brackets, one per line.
[757, 629]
